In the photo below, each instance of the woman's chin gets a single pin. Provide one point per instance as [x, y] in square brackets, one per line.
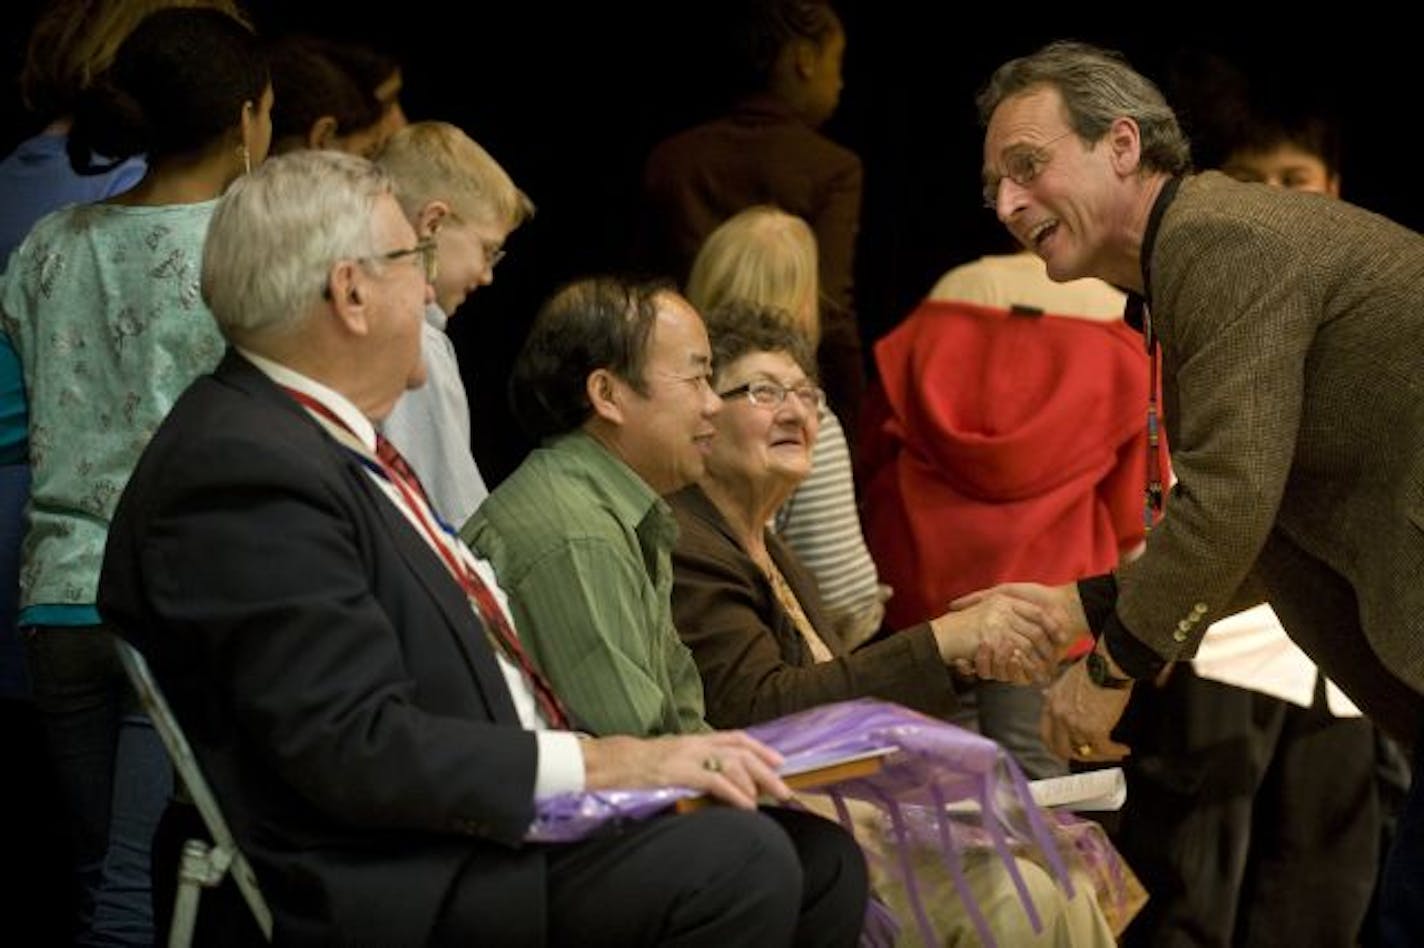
[791, 473]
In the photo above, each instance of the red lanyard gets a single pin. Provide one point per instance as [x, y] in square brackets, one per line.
[397, 472]
[1153, 499]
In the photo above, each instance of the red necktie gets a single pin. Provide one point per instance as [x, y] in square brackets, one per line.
[401, 476]
[490, 612]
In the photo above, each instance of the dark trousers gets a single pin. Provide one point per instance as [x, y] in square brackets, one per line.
[713, 878]
[717, 877]
[1401, 897]
[112, 773]
[1249, 820]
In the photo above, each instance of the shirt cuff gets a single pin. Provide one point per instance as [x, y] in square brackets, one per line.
[560, 768]
[1138, 660]
[1098, 595]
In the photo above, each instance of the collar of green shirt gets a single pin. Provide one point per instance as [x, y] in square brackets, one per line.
[629, 497]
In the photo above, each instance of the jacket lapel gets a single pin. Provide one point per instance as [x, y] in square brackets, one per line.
[462, 623]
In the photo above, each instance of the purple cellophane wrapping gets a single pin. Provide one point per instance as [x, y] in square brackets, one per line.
[934, 764]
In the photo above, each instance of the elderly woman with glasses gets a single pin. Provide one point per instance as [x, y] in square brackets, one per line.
[744, 604]
[753, 618]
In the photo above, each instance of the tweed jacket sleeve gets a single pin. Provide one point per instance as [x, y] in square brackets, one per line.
[1235, 301]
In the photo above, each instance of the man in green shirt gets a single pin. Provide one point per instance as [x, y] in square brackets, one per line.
[615, 380]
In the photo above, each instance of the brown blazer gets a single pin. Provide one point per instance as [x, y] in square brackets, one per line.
[762, 153]
[1292, 332]
[754, 663]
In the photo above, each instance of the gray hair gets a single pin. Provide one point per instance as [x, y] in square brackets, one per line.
[1098, 87]
[276, 233]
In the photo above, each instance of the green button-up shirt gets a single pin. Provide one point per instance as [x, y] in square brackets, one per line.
[583, 546]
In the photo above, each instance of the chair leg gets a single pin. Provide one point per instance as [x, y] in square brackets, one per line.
[193, 875]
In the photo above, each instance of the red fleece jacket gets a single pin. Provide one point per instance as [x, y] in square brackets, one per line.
[1001, 447]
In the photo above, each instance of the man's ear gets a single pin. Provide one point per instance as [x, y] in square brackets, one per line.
[1124, 140]
[347, 297]
[431, 218]
[605, 394]
[322, 134]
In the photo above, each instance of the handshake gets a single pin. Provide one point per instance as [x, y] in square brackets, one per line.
[1014, 632]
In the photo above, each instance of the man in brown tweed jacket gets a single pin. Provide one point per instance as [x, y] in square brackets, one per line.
[1291, 330]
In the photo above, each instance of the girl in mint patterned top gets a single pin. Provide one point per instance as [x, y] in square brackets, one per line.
[102, 305]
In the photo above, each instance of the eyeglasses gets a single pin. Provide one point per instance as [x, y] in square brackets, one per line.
[429, 258]
[771, 395]
[429, 261]
[493, 251]
[1022, 165]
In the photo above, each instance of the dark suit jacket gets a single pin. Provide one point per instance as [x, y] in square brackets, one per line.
[335, 685]
[1292, 330]
[754, 663]
[762, 153]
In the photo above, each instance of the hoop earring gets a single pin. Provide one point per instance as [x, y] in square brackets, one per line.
[246, 158]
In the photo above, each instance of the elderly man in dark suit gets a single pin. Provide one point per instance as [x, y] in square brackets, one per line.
[1291, 331]
[346, 669]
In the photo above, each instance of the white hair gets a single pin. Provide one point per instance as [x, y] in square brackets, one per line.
[276, 233]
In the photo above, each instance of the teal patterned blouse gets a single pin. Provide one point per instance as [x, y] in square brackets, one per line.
[102, 305]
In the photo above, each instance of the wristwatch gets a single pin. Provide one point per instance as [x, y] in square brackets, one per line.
[1100, 675]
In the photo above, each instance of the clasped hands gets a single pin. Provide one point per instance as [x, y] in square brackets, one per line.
[1016, 633]
[1019, 633]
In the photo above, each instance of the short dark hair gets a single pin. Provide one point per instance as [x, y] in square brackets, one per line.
[737, 328]
[764, 27]
[307, 85]
[1229, 112]
[594, 323]
[367, 67]
[1315, 134]
[177, 85]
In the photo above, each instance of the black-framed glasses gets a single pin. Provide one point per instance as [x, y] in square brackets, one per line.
[768, 394]
[1022, 164]
[429, 257]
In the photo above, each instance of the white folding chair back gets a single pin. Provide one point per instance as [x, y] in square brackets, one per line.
[202, 866]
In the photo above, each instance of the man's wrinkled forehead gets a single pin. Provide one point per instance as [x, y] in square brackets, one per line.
[1024, 119]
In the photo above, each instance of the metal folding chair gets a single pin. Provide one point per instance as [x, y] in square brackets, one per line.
[202, 865]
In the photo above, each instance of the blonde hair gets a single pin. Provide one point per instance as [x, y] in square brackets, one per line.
[763, 256]
[74, 41]
[432, 161]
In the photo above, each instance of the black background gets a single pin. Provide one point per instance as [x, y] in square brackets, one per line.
[570, 98]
